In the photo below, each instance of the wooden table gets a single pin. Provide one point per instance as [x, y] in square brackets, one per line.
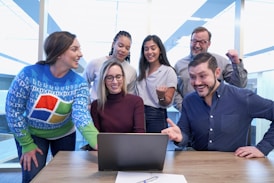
[197, 167]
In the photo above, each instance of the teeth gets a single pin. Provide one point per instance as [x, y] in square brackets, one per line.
[200, 87]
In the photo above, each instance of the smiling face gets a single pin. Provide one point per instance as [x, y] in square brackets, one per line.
[121, 47]
[203, 79]
[199, 43]
[151, 51]
[114, 79]
[71, 57]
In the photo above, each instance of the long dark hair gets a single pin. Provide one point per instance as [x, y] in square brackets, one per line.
[144, 64]
[55, 45]
[119, 34]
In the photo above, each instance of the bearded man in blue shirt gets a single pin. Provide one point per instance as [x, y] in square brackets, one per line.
[218, 116]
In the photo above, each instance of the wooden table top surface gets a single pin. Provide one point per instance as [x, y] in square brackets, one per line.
[196, 166]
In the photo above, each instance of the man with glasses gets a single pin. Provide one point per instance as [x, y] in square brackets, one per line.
[232, 70]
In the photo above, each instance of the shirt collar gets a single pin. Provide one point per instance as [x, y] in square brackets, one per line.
[220, 89]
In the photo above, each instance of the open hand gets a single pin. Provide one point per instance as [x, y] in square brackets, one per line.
[28, 157]
[174, 132]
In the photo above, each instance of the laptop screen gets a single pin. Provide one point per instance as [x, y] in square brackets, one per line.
[131, 151]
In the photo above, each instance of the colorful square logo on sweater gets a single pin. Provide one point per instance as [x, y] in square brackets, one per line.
[51, 109]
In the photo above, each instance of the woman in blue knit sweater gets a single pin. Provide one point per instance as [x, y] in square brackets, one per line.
[46, 101]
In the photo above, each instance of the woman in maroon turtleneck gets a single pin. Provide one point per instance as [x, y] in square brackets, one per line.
[115, 110]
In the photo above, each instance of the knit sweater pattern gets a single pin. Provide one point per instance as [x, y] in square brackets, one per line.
[40, 104]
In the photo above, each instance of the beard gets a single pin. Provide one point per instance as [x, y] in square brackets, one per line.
[210, 89]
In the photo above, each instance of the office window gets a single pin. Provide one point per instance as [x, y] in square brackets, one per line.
[259, 54]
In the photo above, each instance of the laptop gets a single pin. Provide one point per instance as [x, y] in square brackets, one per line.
[131, 151]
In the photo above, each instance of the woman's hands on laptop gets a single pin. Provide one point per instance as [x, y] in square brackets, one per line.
[173, 131]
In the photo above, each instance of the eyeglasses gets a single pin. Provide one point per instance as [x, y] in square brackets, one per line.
[202, 42]
[110, 78]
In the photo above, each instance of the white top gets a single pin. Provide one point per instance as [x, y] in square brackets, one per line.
[146, 89]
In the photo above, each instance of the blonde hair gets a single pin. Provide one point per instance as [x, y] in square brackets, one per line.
[102, 91]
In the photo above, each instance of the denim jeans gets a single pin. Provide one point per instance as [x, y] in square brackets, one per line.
[66, 143]
[155, 119]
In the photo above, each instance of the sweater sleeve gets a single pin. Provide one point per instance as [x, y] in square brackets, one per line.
[94, 114]
[139, 116]
[90, 133]
[16, 101]
[81, 115]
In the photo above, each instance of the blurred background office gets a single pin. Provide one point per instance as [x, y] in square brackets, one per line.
[241, 24]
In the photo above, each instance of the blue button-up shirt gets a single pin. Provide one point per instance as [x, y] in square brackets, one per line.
[224, 125]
